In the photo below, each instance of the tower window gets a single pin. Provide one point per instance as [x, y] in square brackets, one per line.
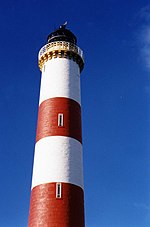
[60, 119]
[58, 190]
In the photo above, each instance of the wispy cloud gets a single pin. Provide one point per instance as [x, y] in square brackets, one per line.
[145, 13]
[144, 35]
[142, 206]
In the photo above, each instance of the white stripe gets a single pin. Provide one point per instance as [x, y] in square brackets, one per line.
[58, 159]
[60, 78]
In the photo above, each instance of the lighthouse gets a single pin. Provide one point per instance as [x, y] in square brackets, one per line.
[57, 191]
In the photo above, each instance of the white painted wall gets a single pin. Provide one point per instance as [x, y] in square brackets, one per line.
[61, 78]
[58, 159]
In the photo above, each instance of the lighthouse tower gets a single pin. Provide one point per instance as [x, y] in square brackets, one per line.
[57, 196]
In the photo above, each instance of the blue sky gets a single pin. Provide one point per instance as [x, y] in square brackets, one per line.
[115, 37]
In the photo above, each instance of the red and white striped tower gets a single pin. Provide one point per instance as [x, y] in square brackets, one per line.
[57, 196]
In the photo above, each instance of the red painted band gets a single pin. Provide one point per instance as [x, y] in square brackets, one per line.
[48, 118]
[48, 211]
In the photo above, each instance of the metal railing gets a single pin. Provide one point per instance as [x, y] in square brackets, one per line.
[58, 46]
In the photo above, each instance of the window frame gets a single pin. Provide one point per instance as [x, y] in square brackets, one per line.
[58, 190]
[60, 120]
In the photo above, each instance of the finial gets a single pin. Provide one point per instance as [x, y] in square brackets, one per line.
[63, 25]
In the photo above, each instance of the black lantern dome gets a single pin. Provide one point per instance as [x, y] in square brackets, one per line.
[62, 34]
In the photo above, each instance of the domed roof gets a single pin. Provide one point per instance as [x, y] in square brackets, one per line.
[62, 34]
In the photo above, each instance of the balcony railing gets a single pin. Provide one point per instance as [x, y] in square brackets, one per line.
[58, 46]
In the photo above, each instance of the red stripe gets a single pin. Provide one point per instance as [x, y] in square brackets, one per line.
[48, 211]
[48, 118]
